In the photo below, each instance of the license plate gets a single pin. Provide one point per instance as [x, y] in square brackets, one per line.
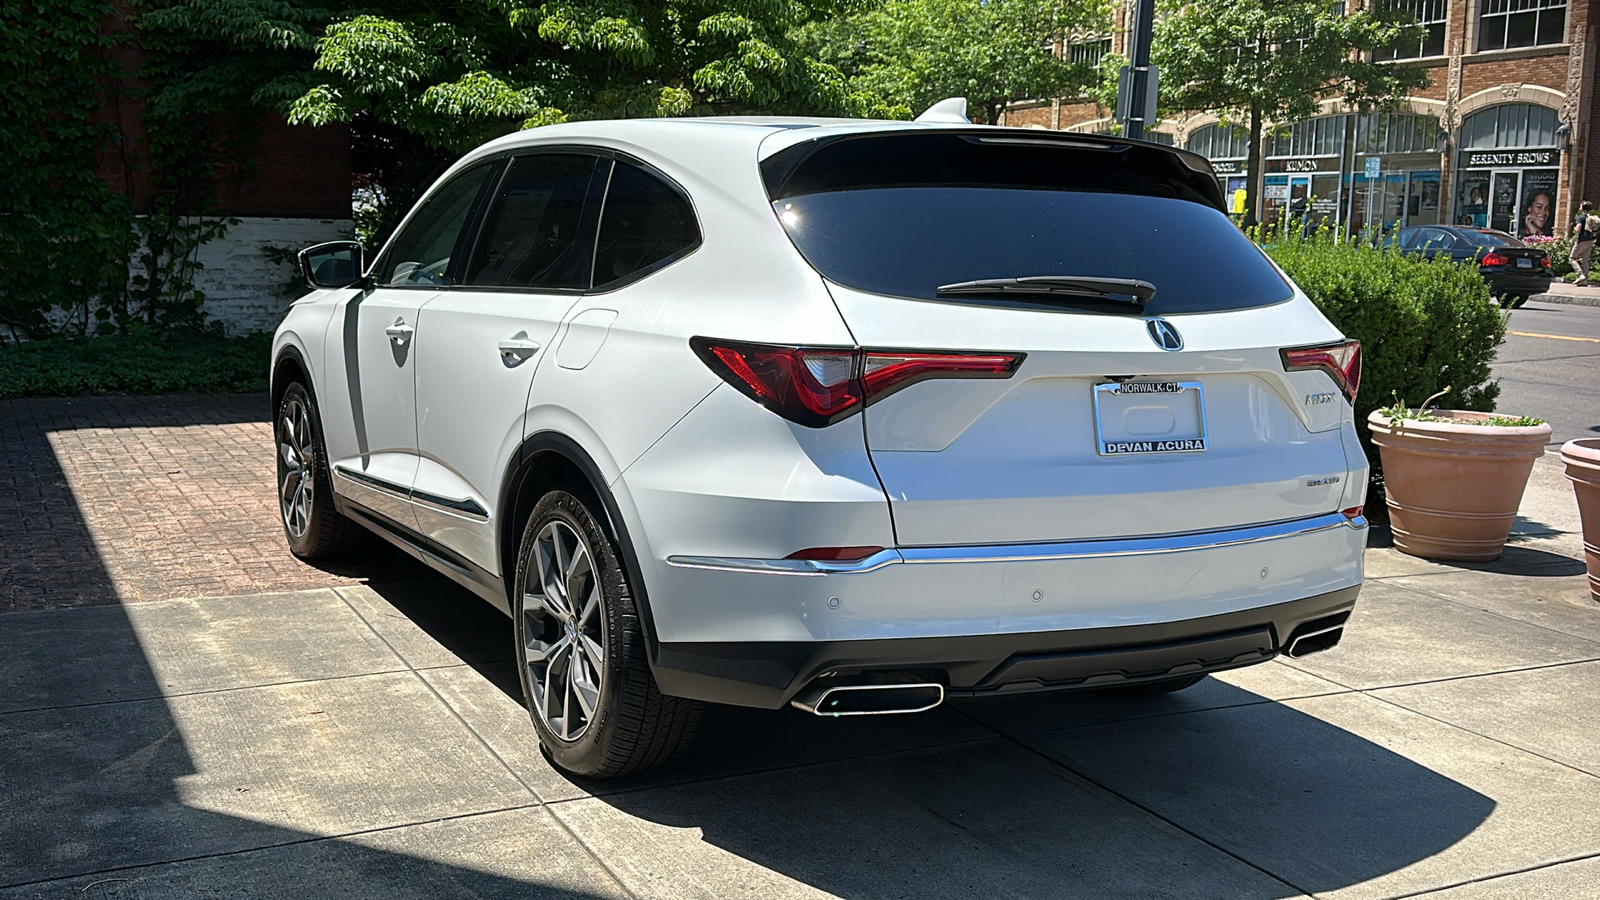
[1149, 417]
[1524, 263]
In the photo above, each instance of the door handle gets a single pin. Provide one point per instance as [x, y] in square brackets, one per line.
[399, 332]
[515, 351]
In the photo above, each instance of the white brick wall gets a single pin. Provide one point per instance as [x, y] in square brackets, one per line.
[245, 290]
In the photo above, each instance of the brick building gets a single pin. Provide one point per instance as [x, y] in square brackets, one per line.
[291, 189]
[1502, 136]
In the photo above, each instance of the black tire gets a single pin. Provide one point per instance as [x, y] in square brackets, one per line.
[630, 726]
[313, 526]
[1517, 304]
[1157, 688]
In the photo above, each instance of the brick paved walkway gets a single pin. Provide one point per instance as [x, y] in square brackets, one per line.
[122, 499]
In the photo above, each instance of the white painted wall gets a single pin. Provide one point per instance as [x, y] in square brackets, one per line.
[245, 290]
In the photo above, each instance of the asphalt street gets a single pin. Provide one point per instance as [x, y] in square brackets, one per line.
[1549, 367]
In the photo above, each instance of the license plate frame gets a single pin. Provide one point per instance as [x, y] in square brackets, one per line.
[1150, 387]
[1524, 263]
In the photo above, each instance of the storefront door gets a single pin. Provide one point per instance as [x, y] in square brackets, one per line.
[1504, 189]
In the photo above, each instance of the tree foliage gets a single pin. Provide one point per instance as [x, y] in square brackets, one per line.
[1260, 61]
[905, 55]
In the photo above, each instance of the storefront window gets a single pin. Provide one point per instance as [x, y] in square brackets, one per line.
[1509, 169]
[1322, 136]
[1226, 146]
[1385, 133]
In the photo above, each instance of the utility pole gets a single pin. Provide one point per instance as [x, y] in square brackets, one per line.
[1137, 96]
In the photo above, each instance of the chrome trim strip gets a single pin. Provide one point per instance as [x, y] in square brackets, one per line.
[1142, 546]
[468, 508]
[370, 481]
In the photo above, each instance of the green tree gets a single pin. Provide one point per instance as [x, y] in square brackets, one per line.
[1273, 60]
[909, 54]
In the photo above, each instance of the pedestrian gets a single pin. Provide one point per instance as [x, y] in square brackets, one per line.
[1583, 231]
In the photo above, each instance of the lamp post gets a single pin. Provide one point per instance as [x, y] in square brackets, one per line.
[1138, 94]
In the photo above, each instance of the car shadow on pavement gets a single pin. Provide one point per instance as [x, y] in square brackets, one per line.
[114, 785]
[1061, 795]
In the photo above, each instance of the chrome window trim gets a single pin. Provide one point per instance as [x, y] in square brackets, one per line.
[1062, 550]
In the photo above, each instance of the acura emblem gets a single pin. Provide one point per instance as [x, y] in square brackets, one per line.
[1165, 336]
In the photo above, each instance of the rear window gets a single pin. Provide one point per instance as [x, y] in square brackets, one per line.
[1493, 239]
[903, 214]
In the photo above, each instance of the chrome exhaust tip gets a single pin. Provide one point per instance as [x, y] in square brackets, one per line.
[1314, 641]
[869, 699]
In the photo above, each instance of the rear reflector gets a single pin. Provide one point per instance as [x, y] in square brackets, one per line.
[817, 386]
[835, 553]
[1353, 512]
[1341, 360]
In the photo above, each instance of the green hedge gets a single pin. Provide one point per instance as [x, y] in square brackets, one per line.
[135, 364]
[1423, 324]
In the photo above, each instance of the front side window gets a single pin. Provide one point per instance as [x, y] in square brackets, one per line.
[1504, 24]
[420, 254]
[536, 233]
[646, 224]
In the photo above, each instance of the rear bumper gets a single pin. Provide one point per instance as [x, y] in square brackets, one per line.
[770, 673]
[1510, 282]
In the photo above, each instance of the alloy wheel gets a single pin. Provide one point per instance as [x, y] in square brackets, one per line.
[563, 631]
[296, 477]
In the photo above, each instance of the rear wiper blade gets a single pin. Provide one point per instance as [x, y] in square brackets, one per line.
[1112, 290]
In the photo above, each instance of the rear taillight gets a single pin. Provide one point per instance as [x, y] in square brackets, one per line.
[817, 386]
[1494, 259]
[1544, 261]
[1341, 360]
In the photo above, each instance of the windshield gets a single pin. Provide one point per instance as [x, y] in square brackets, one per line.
[907, 241]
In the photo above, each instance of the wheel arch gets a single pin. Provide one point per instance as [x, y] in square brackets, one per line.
[289, 366]
[549, 459]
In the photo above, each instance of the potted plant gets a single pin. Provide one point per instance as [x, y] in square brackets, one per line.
[1453, 479]
[1583, 467]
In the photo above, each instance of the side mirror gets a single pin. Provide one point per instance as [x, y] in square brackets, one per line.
[335, 264]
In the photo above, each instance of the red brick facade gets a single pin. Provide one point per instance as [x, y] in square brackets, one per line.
[290, 172]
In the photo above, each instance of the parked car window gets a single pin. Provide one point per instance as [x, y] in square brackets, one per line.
[1434, 239]
[1409, 238]
[421, 252]
[903, 215]
[536, 233]
[646, 222]
[1488, 238]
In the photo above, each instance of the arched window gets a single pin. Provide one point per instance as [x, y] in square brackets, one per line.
[1509, 125]
[1322, 136]
[1219, 142]
[1397, 133]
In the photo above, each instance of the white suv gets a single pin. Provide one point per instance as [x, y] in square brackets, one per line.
[847, 415]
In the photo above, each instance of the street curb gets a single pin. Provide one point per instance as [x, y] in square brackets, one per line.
[1565, 299]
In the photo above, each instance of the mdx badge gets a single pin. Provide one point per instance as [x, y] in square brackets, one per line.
[1319, 399]
[1165, 336]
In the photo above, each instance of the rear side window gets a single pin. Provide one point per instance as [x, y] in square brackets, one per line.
[647, 224]
[536, 233]
[902, 215]
[420, 254]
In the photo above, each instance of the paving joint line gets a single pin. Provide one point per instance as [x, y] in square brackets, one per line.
[311, 839]
[1495, 877]
[1534, 753]
[1499, 615]
[1427, 681]
[495, 754]
[1051, 761]
[221, 690]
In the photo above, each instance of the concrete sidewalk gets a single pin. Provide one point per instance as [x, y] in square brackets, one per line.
[366, 741]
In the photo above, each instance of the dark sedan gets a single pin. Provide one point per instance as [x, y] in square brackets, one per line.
[1514, 270]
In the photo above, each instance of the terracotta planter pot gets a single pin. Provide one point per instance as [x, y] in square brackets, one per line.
[1453, 487]
[1583, 467]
